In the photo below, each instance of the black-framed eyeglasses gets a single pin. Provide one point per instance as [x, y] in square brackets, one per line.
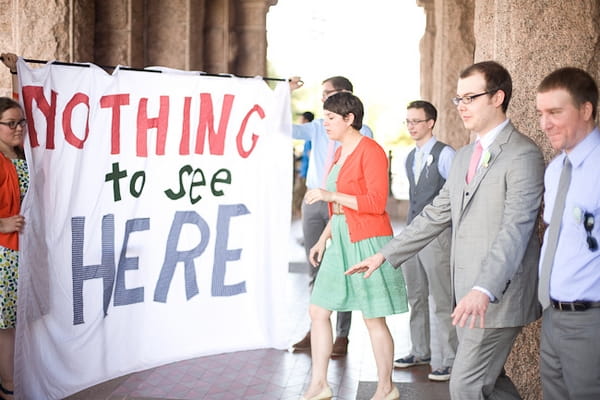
[469, 98]
[588, 224]
[13, 124]
[409, 122]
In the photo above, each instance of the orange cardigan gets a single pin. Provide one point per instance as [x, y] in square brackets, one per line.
[10, 200]
[365, 175]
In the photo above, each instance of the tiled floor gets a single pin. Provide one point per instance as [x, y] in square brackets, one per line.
[269, 374]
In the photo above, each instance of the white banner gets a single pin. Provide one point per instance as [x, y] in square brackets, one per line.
[157, 222]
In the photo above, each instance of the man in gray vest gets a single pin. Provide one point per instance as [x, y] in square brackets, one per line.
[428, 272]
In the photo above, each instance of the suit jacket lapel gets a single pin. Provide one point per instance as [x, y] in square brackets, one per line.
[494, 153]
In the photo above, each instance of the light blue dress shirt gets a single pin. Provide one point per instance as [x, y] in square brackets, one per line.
[315, 132]
[444, 163]
[576, 270]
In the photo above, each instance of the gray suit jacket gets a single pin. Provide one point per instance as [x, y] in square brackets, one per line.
[494, 240]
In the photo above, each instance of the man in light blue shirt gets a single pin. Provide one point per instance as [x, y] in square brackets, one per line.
[315, 216]
[428, 272]
[569, 285]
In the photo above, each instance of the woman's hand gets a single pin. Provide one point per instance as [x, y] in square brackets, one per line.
[316, 253]
[314, 195]
[10, 60]
[12, 224]
[295, 82]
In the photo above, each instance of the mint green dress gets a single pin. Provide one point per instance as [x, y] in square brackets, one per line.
[383, 293]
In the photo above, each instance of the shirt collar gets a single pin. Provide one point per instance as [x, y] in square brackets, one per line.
[488, 138]
[584, 148]
[426, 148]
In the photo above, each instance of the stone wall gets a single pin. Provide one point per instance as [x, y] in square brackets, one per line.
[216, 36]
[543, 36]
[446, 48]
[37, 28]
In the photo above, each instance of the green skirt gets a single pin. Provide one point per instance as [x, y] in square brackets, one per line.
[383, 293]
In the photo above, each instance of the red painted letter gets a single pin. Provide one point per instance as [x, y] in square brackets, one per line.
[161, 123]
[115, 102]
[216, 141]
[78, 98]
[240, 136]
[184, 144]
[31, 93]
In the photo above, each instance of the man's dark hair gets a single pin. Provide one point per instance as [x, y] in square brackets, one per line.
[496, 78]
[309, 116]
[427, 107]
[340, 83]
[580, 85]
[345, 103]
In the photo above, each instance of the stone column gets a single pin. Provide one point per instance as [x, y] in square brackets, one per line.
[83, 17]
[119, 33]
[8, 42]
[556, 36]
[531, 39]
[44, 31]
[196, 35]
[219, 40]
[448, 46]
[426, 48]
[167, 37]
[251, 20]
[174, 32]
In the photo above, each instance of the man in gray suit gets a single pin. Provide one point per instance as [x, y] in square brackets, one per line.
[491, 199]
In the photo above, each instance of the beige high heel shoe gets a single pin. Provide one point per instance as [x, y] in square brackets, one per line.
[326, 394]
[394, 394]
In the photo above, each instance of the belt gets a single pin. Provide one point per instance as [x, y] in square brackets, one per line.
[337, 208]
[579, 305]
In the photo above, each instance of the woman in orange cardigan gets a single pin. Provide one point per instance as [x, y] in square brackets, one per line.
[357, 192]
[13, 185]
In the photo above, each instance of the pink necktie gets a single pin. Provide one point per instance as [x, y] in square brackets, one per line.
[474, 161]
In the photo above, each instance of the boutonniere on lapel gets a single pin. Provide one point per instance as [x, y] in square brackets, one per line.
[485, 159]
[429, 160]
[427, 164]
[578, 215]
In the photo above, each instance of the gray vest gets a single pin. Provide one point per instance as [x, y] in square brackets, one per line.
[430, 181]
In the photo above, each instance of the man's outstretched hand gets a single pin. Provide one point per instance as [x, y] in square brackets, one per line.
[368, 265]
[472, 306]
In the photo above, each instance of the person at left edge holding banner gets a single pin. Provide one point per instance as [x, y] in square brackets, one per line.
[14, 181]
